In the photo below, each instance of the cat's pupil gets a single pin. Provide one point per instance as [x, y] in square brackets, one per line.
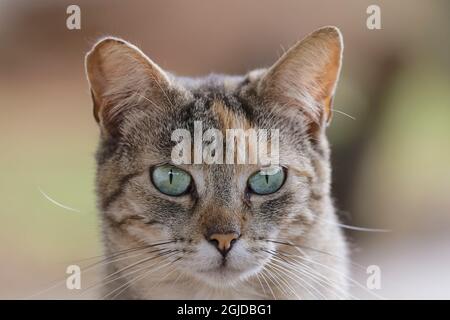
[170, 176]
[267, 178]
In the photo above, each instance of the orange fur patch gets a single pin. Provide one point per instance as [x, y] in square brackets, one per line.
[228, 119]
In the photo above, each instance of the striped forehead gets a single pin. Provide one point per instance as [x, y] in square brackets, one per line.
[216, 111]
[228, 117]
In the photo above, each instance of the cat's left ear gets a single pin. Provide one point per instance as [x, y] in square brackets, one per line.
[305, 77]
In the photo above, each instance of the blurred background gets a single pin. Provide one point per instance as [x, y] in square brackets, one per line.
[391, 158]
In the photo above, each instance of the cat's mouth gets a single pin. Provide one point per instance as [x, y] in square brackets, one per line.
[222, 270]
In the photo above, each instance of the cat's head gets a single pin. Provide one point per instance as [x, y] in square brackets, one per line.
[217, 222]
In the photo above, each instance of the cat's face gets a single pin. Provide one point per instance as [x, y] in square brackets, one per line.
[221, 222]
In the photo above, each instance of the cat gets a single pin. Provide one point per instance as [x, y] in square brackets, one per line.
[217, 231]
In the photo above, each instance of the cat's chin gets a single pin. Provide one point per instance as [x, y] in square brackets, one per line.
[224, 277]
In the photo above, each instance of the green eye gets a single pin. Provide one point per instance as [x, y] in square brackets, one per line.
[171, 180]
[267, 181]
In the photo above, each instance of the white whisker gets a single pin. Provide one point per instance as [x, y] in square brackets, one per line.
[287, 273]
[139, 277]
[267, 283]
[56, 202]
[341, 274]
[343, 113]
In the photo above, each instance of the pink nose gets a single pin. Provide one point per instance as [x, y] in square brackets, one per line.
[223, 241]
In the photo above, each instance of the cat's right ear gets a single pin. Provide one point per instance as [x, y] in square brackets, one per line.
[120, 74]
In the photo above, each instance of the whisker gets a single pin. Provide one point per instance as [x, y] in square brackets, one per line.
[270, 288]
[349, 227]
[265, 272]
[276, 271]
[276, 258]
[299, 247]
[129, 283]
[180, 274]
[160, 254]
[343, 113]
[46, 196]
[103, 283]
[167, 274]
[298, 276]
[100, 263]
[342, 275]
[121, 256]
[259, 280]
[113, 254]
[315, 275]
[279, 285]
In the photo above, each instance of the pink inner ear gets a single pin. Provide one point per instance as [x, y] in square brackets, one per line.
[305, 76]
[117, 71]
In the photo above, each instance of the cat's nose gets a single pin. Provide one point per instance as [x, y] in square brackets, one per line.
[223, 241]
